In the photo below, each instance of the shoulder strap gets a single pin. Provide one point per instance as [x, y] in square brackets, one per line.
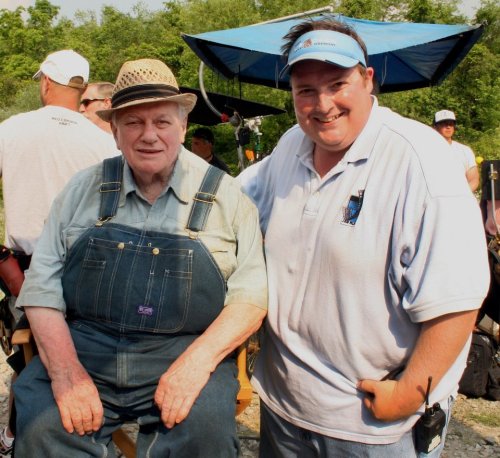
[203, 200]
[112, 176]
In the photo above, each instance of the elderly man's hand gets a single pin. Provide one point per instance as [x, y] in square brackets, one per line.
[78, 401]
[387, 401]
[179, 387]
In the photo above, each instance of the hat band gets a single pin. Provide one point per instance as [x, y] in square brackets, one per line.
[143, 91]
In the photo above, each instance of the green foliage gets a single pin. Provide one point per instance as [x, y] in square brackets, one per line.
[433, 11]
[110, 37]
[27, 99]
[489, 14]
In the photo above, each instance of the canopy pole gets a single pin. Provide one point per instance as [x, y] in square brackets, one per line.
[235, 120]
[204, 93]
[493, 176]
[324, 9]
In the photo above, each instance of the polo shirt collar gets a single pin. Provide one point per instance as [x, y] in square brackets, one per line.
[362, 147]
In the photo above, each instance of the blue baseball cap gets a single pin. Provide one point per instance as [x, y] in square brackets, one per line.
[326, 46]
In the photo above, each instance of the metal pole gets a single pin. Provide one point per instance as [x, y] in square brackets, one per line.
[204, 93]
[324, 9]
[493, 176]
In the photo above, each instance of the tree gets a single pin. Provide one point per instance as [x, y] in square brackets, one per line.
[28, 35]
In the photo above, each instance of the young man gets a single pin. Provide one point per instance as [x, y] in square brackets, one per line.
[445, 123]
[362, 212]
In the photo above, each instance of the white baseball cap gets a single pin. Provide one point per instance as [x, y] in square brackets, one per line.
[61, 66]
[444, 115]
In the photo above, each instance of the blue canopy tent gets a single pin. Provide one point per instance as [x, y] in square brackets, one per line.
[404, 55]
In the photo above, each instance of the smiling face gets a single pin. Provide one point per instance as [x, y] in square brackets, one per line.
[150, 136]
[332, 104]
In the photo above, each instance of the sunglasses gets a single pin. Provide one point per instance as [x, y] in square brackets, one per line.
[87, 102]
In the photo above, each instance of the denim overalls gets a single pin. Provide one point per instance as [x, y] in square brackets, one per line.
[135, 301]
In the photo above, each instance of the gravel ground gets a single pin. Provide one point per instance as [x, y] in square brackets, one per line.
[474, 429]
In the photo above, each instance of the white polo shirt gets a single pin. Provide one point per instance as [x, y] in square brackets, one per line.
[464, 154]
[389, 238]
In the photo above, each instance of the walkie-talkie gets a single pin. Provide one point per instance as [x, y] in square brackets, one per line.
[429, 427]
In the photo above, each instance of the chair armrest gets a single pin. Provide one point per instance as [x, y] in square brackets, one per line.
[24, 338]
[244, 396]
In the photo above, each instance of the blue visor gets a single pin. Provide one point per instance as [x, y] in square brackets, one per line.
[326, 46]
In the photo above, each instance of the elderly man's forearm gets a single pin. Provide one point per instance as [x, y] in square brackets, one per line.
[235, 324]
[181, 384]
[74, 391]
[53, 339]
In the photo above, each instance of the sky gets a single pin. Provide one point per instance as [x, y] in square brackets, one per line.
[68, 7]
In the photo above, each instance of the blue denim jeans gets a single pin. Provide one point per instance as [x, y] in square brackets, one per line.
[281, 439]
[126, 372]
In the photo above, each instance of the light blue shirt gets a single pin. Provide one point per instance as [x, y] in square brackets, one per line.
[232, 233]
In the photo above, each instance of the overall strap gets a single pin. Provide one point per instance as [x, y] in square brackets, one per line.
[110, 188]
[203, 200]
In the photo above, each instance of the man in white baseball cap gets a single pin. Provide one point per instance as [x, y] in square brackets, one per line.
[445, 122]
[65, 67]
[39, 152]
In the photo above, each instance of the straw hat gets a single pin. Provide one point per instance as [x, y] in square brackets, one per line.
[146, 81]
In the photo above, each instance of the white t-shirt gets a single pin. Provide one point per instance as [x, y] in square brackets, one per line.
[464, 154]
[39, 152]
[389, 238]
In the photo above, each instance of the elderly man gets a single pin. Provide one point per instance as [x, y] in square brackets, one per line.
[97, 97]
[369, 294]
[148, 275]
[445, 122]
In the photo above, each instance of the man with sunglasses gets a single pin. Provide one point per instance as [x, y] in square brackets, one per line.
[97, 97]
[39, 152]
